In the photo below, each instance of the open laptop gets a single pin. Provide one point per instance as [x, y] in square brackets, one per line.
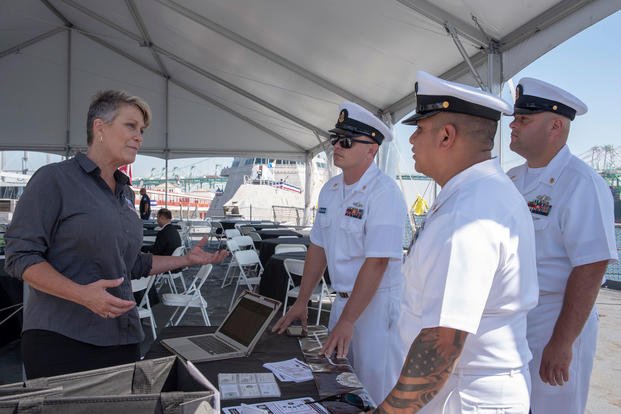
[237, 335]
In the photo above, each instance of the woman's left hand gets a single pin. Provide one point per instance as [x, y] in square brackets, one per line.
[197, 256]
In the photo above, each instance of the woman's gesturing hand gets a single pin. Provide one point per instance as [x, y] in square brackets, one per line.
[197, 256]
[99, 300]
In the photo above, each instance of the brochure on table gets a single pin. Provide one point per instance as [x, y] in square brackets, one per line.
[303, 405]
[248, 385]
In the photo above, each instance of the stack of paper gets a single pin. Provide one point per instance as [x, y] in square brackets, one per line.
[290, 370]
[295, 406]
[248, 385]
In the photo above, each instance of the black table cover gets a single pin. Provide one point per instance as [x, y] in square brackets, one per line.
[271, 348]
[11, 293]
[274, 280]
[271, 234]
[267, 247]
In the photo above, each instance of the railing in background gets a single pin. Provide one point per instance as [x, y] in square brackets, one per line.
[288, 215]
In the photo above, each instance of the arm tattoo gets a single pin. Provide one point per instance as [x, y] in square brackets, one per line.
[427, 367]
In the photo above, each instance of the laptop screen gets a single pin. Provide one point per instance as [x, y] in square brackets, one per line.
[245, 321]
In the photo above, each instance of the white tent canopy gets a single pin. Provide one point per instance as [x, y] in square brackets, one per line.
[255, 77]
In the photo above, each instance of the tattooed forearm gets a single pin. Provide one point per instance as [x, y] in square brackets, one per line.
[427, 366]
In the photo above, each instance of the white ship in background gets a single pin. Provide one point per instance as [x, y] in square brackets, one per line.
[183, 205]
[12, 186]
[269, 189]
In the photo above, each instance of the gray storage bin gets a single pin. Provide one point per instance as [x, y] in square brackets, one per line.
[162, 385]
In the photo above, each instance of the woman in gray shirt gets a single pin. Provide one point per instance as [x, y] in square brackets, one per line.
[75, 238]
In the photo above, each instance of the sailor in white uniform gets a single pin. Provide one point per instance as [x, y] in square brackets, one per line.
[572, 210]
[358, 232]
[470, 275]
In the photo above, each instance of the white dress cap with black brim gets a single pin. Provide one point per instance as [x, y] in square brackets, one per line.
[354, 120]
[435, 95]
[533, 96]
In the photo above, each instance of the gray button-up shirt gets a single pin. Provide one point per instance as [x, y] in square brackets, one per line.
[69, 217]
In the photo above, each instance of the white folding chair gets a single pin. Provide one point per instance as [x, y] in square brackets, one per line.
[170, 276]
[244, 242]
[230, 233]
[296, 267]
[144, 307]
[184, 232]
[244, 230]
[254, 236]
[232, 247]
[216, 231]
[288, 248]
[241, 225]
[250, 270]
[192, 298]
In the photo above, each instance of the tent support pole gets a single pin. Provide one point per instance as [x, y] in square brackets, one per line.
[166, 150]
[308, 173]
[68, 118]
[494, 81]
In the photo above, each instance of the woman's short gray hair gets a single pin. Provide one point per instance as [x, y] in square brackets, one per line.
[105, 106]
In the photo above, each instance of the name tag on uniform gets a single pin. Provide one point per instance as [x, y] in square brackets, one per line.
[322, 210]
[354, 212]
[540, 205]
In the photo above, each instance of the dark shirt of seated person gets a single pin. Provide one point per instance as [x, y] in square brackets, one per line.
[167, 239]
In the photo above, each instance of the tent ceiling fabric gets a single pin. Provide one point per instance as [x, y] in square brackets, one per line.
[247, 77]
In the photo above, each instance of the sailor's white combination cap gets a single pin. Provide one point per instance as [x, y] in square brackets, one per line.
[354, 120]
[434, 95]
[533, 96]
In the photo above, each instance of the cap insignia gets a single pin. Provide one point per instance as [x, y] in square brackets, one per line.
[519, 90]
[342, 116]
[373, 134]
[445, 104]
[554, 107]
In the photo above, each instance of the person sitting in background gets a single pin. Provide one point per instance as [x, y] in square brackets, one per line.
[75, 239]
[167, 239]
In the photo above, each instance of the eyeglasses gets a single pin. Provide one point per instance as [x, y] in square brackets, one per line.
[346, 142]
[347, 398]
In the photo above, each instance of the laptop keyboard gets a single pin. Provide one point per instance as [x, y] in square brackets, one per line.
[212, 345]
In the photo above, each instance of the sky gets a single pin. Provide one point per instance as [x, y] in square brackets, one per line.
[587, 65]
